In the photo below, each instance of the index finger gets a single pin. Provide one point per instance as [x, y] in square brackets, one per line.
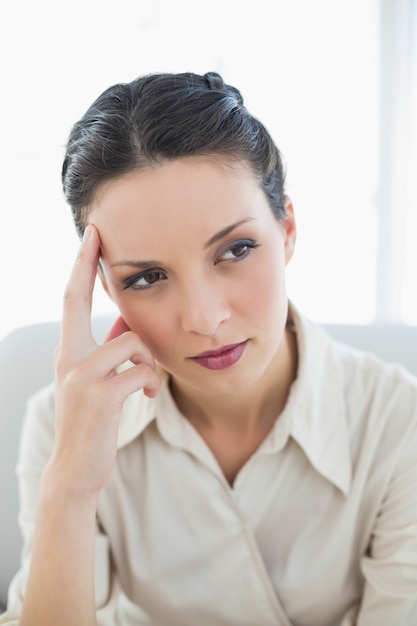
[76, 333]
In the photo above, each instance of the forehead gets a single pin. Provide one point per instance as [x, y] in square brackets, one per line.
[187, 197]
[195, 179]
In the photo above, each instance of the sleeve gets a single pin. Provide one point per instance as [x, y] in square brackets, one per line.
[390, 566]
[35, 448]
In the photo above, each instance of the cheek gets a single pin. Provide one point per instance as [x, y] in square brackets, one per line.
[266, 290]
[152, 324]
[268, 306]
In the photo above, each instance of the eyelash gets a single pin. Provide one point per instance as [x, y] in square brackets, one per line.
[248, 244]
[129, 283]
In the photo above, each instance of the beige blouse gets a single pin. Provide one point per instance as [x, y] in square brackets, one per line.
[319, 529]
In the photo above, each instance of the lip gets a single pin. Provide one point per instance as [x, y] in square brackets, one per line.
[220, 359]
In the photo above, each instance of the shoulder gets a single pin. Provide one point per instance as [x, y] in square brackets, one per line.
[380, 406]
[381, 413]
[373, 392]
[362, 372]
[373, 401]
[367, 377]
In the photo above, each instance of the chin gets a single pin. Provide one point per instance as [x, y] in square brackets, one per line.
[237, 379]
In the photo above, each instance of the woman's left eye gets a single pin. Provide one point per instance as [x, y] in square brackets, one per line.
[239, 250]
[144, 280]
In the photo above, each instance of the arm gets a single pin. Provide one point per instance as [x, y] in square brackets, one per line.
[390, 570]
[61, 582]
[36, 444]
[89, 398]
[390, 567]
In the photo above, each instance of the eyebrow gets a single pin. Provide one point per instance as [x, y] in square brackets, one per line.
[137, 264]
[216, 237]
[226, 231]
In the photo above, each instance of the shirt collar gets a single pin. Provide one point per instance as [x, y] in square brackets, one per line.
[316, 408]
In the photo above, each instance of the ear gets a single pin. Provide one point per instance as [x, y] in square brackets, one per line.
[290, 229]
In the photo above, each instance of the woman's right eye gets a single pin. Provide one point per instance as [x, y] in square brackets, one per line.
[144, 280]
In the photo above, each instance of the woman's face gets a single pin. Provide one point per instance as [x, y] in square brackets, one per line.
[195, 261]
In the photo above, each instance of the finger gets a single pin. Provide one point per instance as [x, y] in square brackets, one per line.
[118, 328]
[134, 379]
[76, 333]
[105, 359]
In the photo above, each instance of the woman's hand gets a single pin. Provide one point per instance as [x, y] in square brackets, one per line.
[90, 393]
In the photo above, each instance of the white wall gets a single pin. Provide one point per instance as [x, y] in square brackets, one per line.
[309, 70]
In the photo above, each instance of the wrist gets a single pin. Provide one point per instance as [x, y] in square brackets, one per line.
[60, 487]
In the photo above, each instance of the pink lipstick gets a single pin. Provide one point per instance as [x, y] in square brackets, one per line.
[222, 358]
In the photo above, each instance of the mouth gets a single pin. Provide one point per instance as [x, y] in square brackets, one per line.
[220, 359]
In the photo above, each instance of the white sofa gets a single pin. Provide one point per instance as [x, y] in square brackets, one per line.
[26, 364]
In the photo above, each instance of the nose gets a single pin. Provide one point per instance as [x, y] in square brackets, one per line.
[203, 308]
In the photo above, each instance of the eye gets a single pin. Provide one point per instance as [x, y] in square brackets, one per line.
[238, 251]
[144, 280]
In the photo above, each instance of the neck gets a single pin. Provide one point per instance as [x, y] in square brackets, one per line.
[234, 425]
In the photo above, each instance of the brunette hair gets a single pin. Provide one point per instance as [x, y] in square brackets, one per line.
[161, 117]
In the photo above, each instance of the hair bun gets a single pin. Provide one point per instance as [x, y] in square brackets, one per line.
[215, 81]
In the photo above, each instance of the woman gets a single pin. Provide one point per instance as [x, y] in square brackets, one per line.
[218, 460]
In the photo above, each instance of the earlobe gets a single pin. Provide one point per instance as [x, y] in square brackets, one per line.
[290, 229]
